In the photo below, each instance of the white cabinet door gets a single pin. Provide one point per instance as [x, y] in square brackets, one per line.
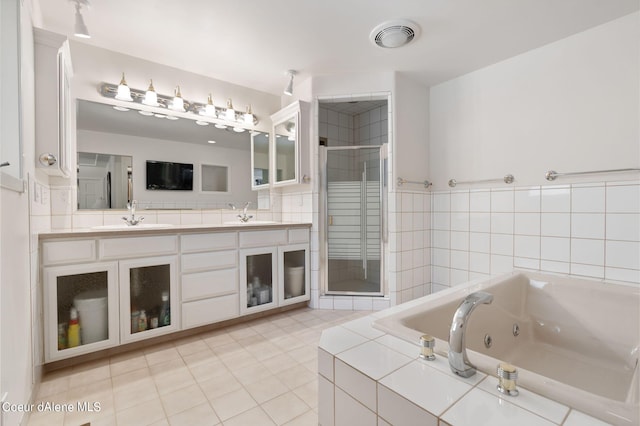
[144, 284]
[92, 290]
[258, 279]
[293, 276]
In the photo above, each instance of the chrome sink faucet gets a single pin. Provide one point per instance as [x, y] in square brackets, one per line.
[132, 219]
[244, 218]
[458, 360]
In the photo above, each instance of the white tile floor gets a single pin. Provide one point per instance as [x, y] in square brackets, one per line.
[261, 372]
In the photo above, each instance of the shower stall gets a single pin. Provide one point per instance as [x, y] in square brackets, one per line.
[353, 164]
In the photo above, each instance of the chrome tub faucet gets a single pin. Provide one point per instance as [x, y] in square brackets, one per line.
[458, 360]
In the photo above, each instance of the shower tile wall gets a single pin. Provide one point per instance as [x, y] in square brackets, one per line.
[590, 230]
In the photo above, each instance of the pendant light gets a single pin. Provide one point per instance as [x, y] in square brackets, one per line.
[79, 28]
[289, 89]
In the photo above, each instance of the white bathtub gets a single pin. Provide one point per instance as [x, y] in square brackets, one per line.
[578, 339]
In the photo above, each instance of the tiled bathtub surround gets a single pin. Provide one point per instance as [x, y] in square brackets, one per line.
[586, 229]
[367, 377]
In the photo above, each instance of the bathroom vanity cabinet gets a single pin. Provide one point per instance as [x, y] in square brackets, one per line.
[129, 286]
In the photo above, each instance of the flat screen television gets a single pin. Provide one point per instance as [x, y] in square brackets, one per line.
[162, 175]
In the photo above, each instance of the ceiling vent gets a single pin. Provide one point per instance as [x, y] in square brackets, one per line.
[395, 33]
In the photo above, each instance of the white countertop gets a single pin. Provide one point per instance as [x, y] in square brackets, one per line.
[169, 229]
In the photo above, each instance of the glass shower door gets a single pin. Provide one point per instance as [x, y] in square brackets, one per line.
[354, 220]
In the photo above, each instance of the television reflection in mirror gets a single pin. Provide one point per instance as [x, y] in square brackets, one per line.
[162, 175]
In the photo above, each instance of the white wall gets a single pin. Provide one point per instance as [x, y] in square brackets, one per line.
[18, 256]
[570, 106]
[143, 149]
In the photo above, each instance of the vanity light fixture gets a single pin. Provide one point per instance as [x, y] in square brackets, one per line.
[289, 89]
[124, 93]
[223, 117]
[229, 113]
[79, 28]
[150, 96]
[178, 102]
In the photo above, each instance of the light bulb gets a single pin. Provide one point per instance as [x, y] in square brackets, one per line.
[209, 109]
[178, 102]
[150, 97]
[230, 114]
[248, 116]
[124, 93]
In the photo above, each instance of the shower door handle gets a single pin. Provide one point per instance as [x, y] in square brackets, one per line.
[331, 220]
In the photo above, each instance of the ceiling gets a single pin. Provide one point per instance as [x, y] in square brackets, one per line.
[253, 42]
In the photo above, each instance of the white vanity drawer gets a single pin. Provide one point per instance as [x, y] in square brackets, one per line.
[204, 242]
[116, 248]
[212, 260]
[56, 252]
[299, 235]
[263, 238]
[207, 311]
[208, 284]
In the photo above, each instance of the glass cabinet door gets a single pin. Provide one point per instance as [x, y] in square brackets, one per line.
[80, 309]
[148, 298]
[286, 150]
[294, 276]
[257, 278]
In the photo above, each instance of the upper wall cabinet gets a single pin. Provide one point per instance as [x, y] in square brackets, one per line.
[55, 127]
[290, 155]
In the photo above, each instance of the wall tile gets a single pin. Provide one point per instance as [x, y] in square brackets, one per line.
[480, 262]
[480, 222]
[460, 201]
[527, 200]
[623, 254]
[460, 221]
[479, 242]
[502, 223]
[588, 200]
[625, 226]
[623, 199]
[459, 240]
[555, 224]
[527, 246]
[556, 199]
[587, 225]
[502, 244]
[590, 252]
[527, 223]
[502, 201]
[556, 249]
[480, 201]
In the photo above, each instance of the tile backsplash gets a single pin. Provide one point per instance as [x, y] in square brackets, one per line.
[590, 230]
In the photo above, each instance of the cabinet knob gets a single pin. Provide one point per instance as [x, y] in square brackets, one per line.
[48, 159]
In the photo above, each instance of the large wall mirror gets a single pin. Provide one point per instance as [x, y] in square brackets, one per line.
[128, 140]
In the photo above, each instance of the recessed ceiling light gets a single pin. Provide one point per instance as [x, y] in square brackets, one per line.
[220, 126]
[202, 123]
[147, 113]
[172, 117]
[119, 108]
[211, 141]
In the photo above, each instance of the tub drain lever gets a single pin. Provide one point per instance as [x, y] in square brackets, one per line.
[507, 376]
[427, 344]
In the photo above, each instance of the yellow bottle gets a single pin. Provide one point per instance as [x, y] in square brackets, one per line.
[73, 334]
